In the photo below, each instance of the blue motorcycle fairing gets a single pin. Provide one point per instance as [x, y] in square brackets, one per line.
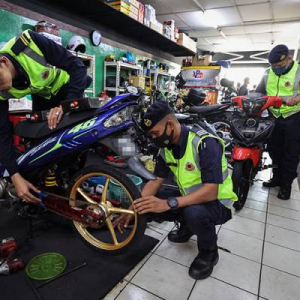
[71, 139]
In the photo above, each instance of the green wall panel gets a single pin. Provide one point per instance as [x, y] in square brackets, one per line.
[12, 24]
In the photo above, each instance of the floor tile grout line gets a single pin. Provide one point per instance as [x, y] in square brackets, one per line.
[244, 234]
[192, 290]
[249, 218]
[147, 291]
[282, 271]
[233, 285]
[262, 252]
[284, 216]
[152, 253]
[121, 289]
[282, 246]
[288, 229]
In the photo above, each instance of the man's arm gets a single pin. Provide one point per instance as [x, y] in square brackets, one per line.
[61, 58]
[8, 157]
[152, 187]
[7, 152]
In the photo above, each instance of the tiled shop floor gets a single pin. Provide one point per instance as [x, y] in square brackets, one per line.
[263, 262]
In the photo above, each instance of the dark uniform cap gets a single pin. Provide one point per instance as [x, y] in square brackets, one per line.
[155, 113]
[278, 53]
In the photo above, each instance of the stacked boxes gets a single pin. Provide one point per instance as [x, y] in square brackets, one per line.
[187, 42]
[128, 7]
[141, 13]
[121, 5]
[150, 15]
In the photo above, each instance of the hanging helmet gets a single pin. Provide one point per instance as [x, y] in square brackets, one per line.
[76, 43]
[195, 97]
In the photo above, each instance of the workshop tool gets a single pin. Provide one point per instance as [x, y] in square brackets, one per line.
[8, 267]
[7, 248]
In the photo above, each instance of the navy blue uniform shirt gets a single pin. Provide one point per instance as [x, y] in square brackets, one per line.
[56, 56]
[210, 154]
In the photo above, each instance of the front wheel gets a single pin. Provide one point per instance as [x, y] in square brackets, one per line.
[241, 179]
[108, 193]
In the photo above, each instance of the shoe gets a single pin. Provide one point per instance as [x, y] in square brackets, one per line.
[181, 235]
[203, 264]
[271, 183]
[284, 192]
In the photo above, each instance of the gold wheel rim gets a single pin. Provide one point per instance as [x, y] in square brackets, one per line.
[109, 209]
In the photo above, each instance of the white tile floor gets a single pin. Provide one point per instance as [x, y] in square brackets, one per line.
[263, 263]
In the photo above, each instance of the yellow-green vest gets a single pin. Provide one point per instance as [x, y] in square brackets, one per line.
[187, 169]
[45, 80]
[285, 86]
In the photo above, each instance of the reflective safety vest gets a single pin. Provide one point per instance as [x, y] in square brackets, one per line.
[187, 169]
[285, 86]
[45, 80]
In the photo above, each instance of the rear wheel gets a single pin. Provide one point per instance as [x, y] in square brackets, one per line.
[241, 178]
[108, 193]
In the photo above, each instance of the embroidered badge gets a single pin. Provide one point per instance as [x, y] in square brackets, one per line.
[189, 166]
[282, 57]
[287, 84]
[45, 74]
[147, 122]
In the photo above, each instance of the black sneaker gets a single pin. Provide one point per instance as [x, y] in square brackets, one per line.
[180, 235]
[284, 192]
[203, 264]
[271, 183]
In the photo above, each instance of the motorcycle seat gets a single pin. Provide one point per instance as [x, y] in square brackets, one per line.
[31, 130]
[208, 109]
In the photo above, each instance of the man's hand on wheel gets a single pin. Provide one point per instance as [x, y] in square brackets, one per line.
[55, 116]
[22, 187]
[122, 221]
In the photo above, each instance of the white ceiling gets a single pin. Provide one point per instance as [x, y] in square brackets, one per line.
[248, 25]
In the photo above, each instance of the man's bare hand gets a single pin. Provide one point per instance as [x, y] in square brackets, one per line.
[293, 101]
[122, 221]
[55, 116]
[150, 204]
[22, 187]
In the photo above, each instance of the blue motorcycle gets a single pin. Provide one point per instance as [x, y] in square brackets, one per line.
[92, 196]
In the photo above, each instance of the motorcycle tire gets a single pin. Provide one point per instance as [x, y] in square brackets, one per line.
[105, 238]
[241, 179]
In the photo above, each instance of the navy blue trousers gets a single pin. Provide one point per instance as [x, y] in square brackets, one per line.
[284, 148]
[201, 219]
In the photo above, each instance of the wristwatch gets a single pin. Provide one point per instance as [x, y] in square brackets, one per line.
[173, 203]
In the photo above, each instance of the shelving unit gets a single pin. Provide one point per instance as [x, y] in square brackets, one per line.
[119, 66]
[158, 76]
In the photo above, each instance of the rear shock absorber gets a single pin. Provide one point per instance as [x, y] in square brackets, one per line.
[50, 180]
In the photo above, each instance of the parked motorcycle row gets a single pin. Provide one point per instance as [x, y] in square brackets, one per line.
[93, 196]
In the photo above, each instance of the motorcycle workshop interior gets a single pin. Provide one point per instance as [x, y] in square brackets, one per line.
[83, 87]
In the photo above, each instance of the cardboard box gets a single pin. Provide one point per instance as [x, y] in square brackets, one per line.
[118, 2]
[138, 81]
[141, 7]
[141, 17]
[150, 13]
[133, 16]
[134, 10]
[146, 22]
[135, 3]
[121, 6]
[187, 42]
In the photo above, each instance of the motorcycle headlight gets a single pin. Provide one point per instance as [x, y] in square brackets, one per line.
[119, 117]
[253, 107]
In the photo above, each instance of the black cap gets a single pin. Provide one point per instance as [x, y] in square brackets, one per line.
[155, 113]
[278, 53]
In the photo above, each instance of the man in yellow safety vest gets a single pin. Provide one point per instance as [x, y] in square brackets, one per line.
[282, 80]
[196, 159]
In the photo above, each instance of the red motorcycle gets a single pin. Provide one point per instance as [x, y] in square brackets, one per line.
[250, 133]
